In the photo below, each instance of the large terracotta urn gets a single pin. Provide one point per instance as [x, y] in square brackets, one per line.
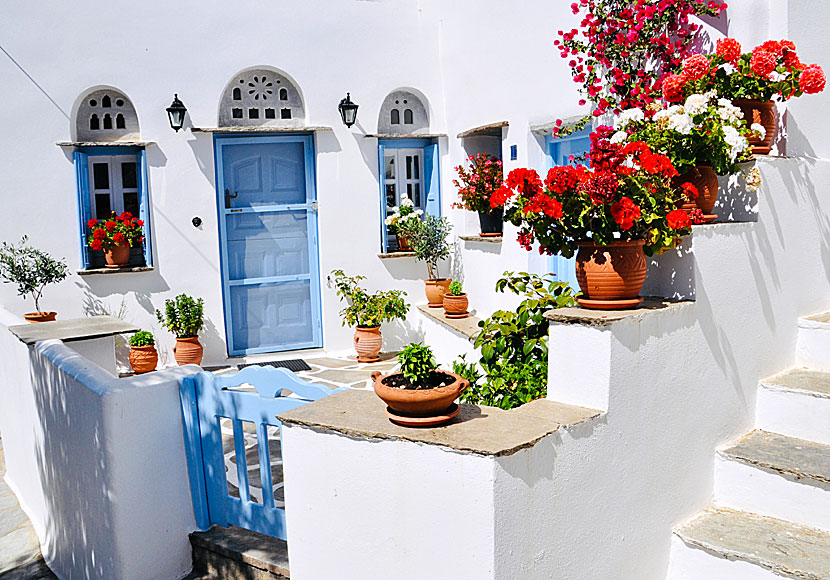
[367, 343]
[761, 113]
[435, 290]
[611, 276]
[188, 351]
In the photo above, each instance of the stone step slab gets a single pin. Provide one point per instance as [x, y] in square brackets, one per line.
[797, 404]
[727, 544]
[237, 554]
[778, 476]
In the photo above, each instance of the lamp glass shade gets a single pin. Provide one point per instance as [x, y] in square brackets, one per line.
[348, 111]
[176, 112]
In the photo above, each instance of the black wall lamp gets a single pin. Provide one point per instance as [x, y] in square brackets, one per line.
[176, 112]
[348, 111]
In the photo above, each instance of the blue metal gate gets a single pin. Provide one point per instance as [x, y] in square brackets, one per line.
[232, 440]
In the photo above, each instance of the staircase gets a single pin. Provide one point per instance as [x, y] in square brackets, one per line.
[771, 514]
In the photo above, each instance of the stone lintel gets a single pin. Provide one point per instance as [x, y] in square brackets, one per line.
[72, 329]
[261, 129]
[478, 429]
[489, 130]
[584, 316]
[483, 239]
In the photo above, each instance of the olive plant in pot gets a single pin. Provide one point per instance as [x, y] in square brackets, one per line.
[31, 269]
[366, 312]
[429, 241]
[184, 317]
[143, 354]
[455, 301]
[476, 183]
[419, 395]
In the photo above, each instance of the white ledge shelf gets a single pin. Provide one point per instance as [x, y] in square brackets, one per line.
[125, 270]
[483, 239]
[466, 326]
[583, 316]
[390, 255]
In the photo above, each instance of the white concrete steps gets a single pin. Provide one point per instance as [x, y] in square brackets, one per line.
[813, 343]
[726, 544]
[778, 476]
[797, 404]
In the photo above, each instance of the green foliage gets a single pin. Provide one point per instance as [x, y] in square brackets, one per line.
[456, 289]
[364, 309]
[429, 240]
[417, 364]
[31, 269]
[183, 316]
[513, 344]
[142, 338]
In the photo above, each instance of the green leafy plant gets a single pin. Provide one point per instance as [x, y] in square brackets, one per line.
[477, 182]
[417, 364]
[456, 289]
[142, 338]
[184, 316]
[513, 344]
[364, 309]
[429, 240]
[31, 269]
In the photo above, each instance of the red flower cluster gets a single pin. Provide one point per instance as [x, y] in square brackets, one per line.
[657, 164]
[696, 67]
[500, 197]
[525, 181]
[601, 188]
[729, 49]
[689, 191]
[562, 178]
[673, 88]
[812, 79]
[119, 230]
[762, 62]
[541, 203]
[678, 219]
[625, 212]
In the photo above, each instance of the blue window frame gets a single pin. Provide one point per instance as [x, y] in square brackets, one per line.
[559, 152]
[112, 179]
[407, 168]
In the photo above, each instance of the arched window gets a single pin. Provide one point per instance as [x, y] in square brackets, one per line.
[107, 122]
[395, 117]
[105, 115]
[105, 102]
[407, 117]
[94, 124]
[248, 100]
[119, 121]
[415, 118]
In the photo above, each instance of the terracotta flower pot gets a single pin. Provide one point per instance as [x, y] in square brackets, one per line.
[419, 402]
[435, 290]
[367, 343]
[705, 180]
[763, 113]
[117, 256]
[188, 351]
[144, 359]
[403, 243]
[611, 276]
[40, 316]
[456, 306]
[491, 223]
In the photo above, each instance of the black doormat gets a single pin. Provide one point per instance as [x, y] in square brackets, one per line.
[296, 364]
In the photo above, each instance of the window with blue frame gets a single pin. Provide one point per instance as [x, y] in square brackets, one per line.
[566, 151]
[112, 179]
[408, 169]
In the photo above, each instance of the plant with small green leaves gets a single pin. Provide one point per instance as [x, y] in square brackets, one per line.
[142, 338]
[364, 309]
[456, 289]
[429, 240]
[31, 269]
[184, 316]
[417, 364]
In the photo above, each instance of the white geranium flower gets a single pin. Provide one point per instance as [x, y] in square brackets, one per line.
[408, 202]
[682, 123]
[729, 112]
[696, 104]
[760, 129]
[727, 68]
[753, 179]
[619, 137]
[737, 143]
[628, 116]
[418, 212]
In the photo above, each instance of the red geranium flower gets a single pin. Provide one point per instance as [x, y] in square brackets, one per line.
[812, 79]
[98, 234]
[625, 212]
[110, 225]
[119, 238]
[729, 49]
[689, 191]
[96, 244]
[525, 181]
[562, 178]
[678, 219]
[673, 88]
[762, 62]
[500, 197]
[601, 188]
[525, 240]
[126, 216]
[696, 67]
[92, 223]
[658, 164]
[139, 223]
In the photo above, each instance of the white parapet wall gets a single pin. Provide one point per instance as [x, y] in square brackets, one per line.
[97, 462]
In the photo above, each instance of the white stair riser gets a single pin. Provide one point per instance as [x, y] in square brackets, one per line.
[688, 563]
[748, 488]
[793, 414]
[813, 346]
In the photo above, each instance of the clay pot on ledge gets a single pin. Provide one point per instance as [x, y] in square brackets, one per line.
[117, 256]
[188, 351]
[456, 306]
[611, 276]
[491, 223]
[762, 113]
[420, 407]
[435, 290]
[40, 316]
[367, 343]
[705, 181]
[403, 243]
[144, 359]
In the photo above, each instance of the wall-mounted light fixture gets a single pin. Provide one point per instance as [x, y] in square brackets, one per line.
[176, 112]
[348, 111]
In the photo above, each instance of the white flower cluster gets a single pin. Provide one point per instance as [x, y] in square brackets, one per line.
[760, 129]
[400, 215]
[737, 142]
[729, 112]
[634, 115]
[753, 179]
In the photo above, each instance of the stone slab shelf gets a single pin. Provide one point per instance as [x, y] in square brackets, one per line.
[583, 316]
[466, 326]
[73, 329]
[484, 240]
[125, 270]
[389, 255]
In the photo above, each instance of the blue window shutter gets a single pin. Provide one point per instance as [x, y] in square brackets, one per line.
[384, 241]
[144, 206]
[432, 181]
[84, 212]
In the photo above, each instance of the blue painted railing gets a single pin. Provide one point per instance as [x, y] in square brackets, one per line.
[207, 400]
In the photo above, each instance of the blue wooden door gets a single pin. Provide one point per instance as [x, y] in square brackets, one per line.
[268, 229]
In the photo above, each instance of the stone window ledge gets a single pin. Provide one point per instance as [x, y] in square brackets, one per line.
[466, 326]
[388, 255]
[483, 239]
[125, 270]
[583, 316]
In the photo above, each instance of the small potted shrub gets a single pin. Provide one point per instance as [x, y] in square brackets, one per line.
[428, 238]
[397, 220]
[366, 312]
[476, 184]
[115, 237]
[420, 394]
[143, 355]
[455, 302]
[31, 269]
[184, 317]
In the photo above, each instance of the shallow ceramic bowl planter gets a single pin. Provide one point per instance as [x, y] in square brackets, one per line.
[367, 343]
[456, 306]
[705, 181]
[144, 359]
[435, 291]
[117, 256]
[491, 223]
[188, 351]
[762, 113]
[40, 316]
[420, 407]
[611, 276]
